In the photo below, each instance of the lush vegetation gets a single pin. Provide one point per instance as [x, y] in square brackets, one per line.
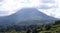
[45, 28]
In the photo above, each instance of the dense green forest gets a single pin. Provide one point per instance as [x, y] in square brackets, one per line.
[45, 28]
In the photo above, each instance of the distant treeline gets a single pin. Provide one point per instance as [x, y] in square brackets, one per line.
[45, 28]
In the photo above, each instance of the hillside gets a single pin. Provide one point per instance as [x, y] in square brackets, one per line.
[26, 14]
[45, 28]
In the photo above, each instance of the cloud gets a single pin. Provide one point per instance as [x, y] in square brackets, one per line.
[12, 6]
[48, 1]
[46, 6]
[53, 11]
[8, 7]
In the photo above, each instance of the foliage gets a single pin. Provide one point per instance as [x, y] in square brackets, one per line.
[45, 28]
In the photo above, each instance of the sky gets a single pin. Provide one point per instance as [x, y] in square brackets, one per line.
[51, 8]
[48, 7]
[8, 7]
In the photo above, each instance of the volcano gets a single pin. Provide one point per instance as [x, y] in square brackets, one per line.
[27, 16]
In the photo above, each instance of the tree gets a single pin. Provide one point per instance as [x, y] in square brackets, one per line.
[28, 31]
[57, 22]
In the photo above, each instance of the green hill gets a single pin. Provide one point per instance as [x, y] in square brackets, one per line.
[45, 28]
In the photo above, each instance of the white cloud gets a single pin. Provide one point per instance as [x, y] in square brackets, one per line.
[48, 1]
[52, 10]
[49, 7]
[12, 6]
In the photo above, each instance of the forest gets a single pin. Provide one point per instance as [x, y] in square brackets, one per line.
[44, 28]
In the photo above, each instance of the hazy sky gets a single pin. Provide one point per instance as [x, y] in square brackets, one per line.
[49, 7]
[12, 6]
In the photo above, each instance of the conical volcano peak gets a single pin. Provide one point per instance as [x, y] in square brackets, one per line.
[25, 15]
